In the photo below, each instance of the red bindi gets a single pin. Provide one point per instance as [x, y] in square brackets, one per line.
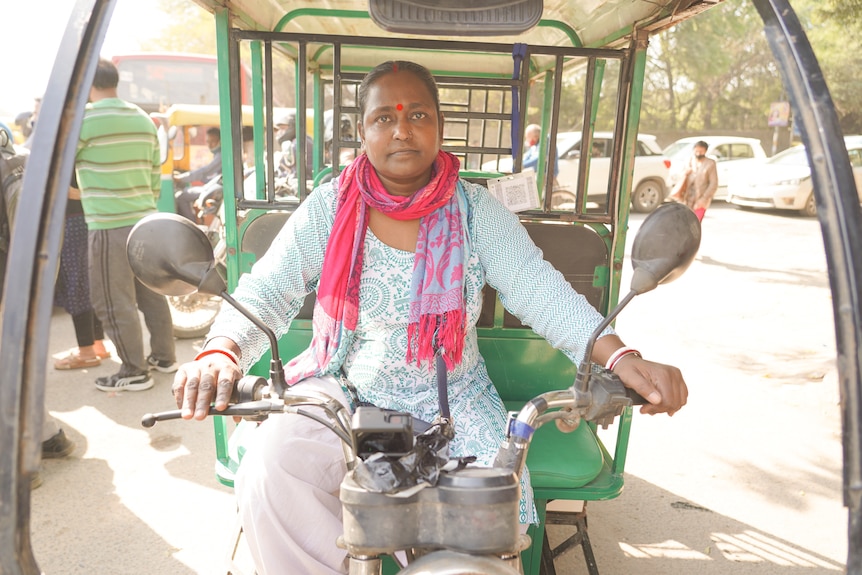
[399, 107]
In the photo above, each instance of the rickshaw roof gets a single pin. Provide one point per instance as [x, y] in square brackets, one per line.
[209, 115]
[564, 23]
[202, 115]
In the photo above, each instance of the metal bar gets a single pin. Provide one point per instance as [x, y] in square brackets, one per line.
[590, 108]
[338, 14]
[474, 150]
[468, 124]
[466, 83]
[841, 225]
[259, 122]
[267, 205]
[551, 167]
[270, 132]
[500, 127]
[319, 144]
[457, 46]
[299, 149]
[625, 138]
[542, 171]
[459, 82]
[596, 81]
[523, 99]
[336, 110]
[228, 74]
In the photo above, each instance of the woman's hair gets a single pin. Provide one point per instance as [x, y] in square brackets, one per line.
[391, 67]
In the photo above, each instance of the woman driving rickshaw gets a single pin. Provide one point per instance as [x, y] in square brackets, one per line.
[398, 250]
[242, 24]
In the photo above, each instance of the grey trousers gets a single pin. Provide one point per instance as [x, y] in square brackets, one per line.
[117, 295]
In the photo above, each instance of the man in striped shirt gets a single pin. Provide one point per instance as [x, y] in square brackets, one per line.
[117, 166]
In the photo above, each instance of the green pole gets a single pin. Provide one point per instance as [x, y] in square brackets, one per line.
[638, 66]
[259, 125]
[223, 51]
[587, 143]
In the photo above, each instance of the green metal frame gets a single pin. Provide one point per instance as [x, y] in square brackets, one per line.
[526, 364]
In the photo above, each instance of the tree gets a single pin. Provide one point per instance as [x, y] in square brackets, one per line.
[713, 70]
[834, 29]
[190, 29]
[717, 69]
[841, 10]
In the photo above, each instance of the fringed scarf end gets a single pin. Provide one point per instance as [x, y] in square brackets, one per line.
[432, 332]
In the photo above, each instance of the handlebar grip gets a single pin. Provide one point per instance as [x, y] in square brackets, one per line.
[248, 409]
[637, 399]
[150, 419]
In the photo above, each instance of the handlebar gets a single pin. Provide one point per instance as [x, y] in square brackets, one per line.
[601, 402]
[257, 408]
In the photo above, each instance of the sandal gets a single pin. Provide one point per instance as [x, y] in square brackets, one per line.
[75, 361]
[104, 354]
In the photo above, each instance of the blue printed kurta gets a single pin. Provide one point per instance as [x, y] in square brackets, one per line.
[498, 251]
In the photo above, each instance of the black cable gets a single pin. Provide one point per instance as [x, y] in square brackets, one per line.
[442, 385]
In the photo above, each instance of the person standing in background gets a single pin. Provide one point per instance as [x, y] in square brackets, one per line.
[530, 158]
[118, 169]
[72, 292]
[698, 185]
[55, 444]
[209, 171]
[186, 198]
[286, 165]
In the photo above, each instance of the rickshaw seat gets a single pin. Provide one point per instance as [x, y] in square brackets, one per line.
[574, 466]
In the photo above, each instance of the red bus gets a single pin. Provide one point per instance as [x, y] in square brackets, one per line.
[156, 80]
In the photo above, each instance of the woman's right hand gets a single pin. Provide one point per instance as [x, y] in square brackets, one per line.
[204, 382]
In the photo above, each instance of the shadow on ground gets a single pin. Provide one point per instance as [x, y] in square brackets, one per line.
[684, 538]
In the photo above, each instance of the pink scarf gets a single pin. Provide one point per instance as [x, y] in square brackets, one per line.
[437, 314]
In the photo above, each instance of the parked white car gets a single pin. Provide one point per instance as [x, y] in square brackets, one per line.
[732, 154]
[784, 181]
[648, 184]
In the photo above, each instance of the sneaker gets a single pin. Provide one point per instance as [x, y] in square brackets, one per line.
[163, 365]
[119, 382]
[57, 447]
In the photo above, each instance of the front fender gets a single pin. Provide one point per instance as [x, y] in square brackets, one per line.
[452, 563]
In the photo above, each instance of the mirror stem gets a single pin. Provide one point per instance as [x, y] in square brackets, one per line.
[585, 370]
[276, 369]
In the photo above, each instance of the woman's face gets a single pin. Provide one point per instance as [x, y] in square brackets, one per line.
[402, 132]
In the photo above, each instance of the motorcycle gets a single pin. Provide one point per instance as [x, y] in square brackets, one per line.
[431, 512]
[194, 313]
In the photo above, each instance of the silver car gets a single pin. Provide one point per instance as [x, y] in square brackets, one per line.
[648, 182]
[784, 181]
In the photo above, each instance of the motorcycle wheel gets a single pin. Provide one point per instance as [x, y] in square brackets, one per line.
[193, 314]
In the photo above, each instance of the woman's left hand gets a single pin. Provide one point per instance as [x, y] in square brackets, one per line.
[662, 385]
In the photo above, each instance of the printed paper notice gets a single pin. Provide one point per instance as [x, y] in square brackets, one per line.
[517, 192]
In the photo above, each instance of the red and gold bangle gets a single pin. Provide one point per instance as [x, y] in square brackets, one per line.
[616, 356]
[226, 352]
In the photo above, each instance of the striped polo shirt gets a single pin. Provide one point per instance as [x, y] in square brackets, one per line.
[117, 164]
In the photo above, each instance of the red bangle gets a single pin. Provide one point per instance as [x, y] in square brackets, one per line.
[616, 356]
[226, 352]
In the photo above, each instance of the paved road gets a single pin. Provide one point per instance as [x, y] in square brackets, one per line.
[746, 479]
